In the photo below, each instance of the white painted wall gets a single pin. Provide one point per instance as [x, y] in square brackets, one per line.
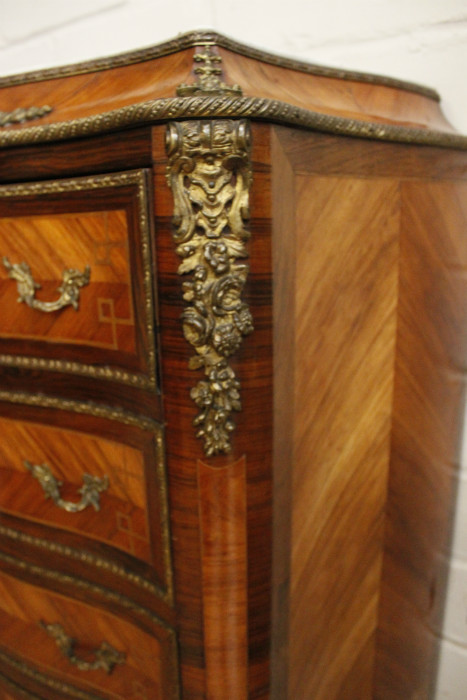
[419, 40]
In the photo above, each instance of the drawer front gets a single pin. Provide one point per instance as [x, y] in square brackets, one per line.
[58, 640]
[104, 490]
[75, 255]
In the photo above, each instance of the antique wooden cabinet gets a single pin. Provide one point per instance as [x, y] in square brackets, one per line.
[232, 293]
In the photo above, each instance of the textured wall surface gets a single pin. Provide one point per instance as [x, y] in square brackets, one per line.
[420, 40]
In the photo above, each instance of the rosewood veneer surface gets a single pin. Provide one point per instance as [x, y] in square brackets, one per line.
[264, 370]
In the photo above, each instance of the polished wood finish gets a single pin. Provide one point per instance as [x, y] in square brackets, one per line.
[122, 518]
[375, 307]
[66, 241]
[309, 561]
[78, 96]
[147, 668]
[222, 497]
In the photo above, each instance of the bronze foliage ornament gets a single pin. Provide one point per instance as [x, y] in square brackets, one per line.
[23, 114]
[209, 171]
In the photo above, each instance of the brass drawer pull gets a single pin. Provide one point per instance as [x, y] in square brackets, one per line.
[106, 656]
[90, 490]
[72, 281]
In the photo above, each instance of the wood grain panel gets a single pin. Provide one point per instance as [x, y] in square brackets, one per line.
[284, 262]
[428, 398]
[346, 293]
[349, 98]
[103, 153]
[149, 669]
[310, 152]
[222, 504]
[83, 95]
[122, 520]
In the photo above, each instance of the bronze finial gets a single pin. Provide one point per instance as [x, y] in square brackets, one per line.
[209, 77]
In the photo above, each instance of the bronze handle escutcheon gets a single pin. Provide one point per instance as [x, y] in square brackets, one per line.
[72, 281]
[90, 490]
[106, 657]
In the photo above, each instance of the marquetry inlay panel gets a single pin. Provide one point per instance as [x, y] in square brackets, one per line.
[57, 241]
[122, 518]
[147, 666]
[95, 226]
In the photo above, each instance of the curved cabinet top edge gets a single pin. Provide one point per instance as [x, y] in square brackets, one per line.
[166, 82]
[206, 37]
[220, 107]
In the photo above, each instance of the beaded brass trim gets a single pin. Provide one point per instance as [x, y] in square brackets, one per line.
[203, 38]
[127, 418]
[39, 677]
[66, 579]
[70, 367]
[238, 107]
[87, 407]
[138, 179]
[210, 174]
[86, 557]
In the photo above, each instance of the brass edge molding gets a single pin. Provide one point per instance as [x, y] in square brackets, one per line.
[127, 418]
[161, 469]
[207, 37]
[238, 107]
[210, 173]
[85, 407]
[137, 178]
[40, 677]
[72, 367]
[53, 576]
[87, 558]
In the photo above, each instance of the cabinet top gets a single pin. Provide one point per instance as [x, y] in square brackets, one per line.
[204, 74]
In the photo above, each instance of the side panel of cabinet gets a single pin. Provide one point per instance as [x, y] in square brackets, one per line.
[373, 310]
[428, 394]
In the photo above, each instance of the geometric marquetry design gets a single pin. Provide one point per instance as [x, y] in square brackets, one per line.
[126, 526]
[107, 315]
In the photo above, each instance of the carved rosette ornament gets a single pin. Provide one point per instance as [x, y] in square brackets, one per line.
[209, 172]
